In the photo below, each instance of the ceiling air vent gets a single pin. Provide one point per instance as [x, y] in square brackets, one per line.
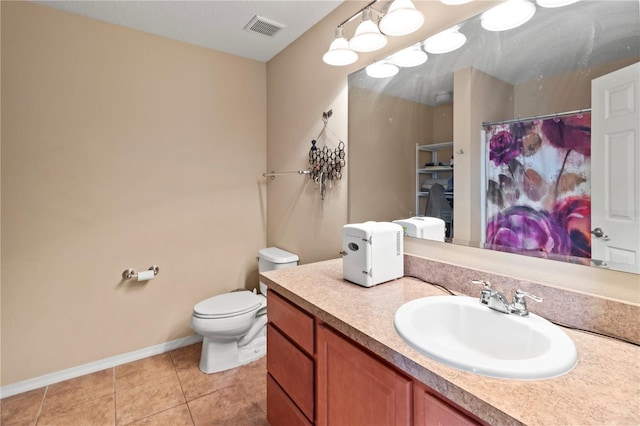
[263, 26]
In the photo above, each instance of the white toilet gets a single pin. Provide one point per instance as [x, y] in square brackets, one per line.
[233, 325]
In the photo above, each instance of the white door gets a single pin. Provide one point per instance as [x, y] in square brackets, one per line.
[615, 168]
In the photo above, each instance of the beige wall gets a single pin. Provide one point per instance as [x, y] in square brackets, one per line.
[475, 94]
[0, 197]
[443, 125]
[383, 132]
[545, 91]
[120, 149]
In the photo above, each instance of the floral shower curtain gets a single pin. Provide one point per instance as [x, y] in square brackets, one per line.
[538, 187]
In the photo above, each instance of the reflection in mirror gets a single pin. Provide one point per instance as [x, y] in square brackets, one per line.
[422, 129]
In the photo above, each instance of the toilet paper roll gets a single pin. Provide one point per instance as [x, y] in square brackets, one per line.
[145, 275]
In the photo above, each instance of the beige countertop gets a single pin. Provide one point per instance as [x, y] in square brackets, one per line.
[603, 389]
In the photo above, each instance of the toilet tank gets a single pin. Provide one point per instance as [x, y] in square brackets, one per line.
[274, 258]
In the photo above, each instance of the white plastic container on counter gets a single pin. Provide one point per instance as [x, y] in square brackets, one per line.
[373, 252]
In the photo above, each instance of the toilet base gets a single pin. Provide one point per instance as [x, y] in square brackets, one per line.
[221, 356]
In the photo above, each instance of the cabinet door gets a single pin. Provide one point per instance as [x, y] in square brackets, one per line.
[431, 411]
[354, 388]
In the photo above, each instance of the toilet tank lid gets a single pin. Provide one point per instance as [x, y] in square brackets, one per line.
[277, 255]
[234, 303]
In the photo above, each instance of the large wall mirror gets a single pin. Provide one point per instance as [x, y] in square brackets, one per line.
[504, 81]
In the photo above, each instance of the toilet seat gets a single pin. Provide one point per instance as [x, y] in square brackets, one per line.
[228, 305]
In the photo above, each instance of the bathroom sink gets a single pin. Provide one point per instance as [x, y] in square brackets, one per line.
[460, 332]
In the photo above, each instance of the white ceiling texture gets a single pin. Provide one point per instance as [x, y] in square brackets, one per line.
[215, 24]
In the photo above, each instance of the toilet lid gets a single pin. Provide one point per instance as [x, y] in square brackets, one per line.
[228, 304]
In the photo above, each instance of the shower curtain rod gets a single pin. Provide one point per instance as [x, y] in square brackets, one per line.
[539, 117]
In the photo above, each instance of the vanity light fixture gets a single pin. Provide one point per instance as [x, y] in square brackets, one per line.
[507, 15]
[368, 36]
[339, 52]
[555, 3]
[383, 69]
[445, 41]
[402, 18]
[410, 57]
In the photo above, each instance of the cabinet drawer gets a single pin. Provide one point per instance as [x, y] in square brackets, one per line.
[291, 320]
[281, 411]
[292, 369]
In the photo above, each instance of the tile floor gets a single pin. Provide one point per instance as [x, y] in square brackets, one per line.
[166, 389]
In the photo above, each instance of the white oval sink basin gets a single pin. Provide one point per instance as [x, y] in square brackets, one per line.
[462, 333]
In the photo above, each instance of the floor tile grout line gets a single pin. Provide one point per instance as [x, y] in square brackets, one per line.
[184, 395]
[175, 370]
[190, 414]
[46, 389]
[115, 406]
[159, 412]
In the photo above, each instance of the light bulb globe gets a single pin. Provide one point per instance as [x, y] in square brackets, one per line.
[367, 37]
[409, 57]
[445, 41]
[381, 70]
[507, 15]
[555, 3]
[339, 53]
[402, 18]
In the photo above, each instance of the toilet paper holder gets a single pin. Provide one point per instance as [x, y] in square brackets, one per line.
[128, 274]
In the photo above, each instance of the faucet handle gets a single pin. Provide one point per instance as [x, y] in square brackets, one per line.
[520, 295]
[486, 285]
[519, 304]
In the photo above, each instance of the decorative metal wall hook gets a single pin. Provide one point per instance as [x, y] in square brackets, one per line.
[326, 163]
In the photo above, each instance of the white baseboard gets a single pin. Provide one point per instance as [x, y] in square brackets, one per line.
[92, 367]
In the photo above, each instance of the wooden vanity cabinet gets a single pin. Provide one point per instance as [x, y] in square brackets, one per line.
[352, 386]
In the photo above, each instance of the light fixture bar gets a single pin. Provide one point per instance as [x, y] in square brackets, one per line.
[402, 18]
[352, 17]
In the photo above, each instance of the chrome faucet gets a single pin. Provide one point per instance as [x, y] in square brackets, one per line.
[498, 301]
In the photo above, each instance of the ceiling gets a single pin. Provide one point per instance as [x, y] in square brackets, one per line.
[214, 24]
[554, 41]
